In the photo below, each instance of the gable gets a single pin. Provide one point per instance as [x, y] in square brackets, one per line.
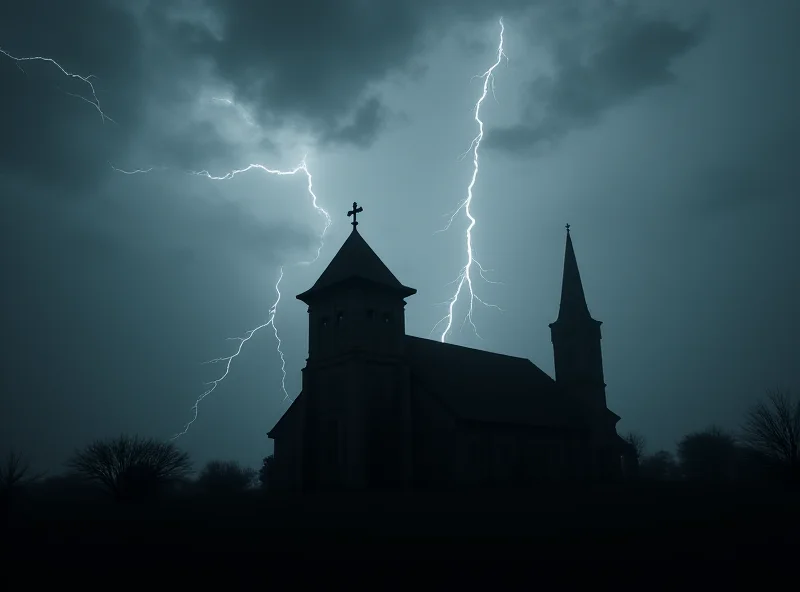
[293, 409]
[487, 387]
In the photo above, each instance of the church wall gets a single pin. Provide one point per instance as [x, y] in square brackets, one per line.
[327, 393]
[507, 456]
[434, 441]
[386, 425]
[294, 441]
[500, 455]
[286, 472]
[476, 452]
[569, 455]
[353, 316]
[480, 448]
[357, 422]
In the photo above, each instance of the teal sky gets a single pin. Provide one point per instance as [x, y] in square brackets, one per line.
[663, 132]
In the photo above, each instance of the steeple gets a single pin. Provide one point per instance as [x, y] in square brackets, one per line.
[576, 338]
[573, 300]
[357, 304]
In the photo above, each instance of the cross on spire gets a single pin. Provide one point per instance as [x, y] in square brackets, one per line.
[354, 212]
[567, 227]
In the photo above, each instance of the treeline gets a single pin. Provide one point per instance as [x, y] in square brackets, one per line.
[765, 449]
[130, 468]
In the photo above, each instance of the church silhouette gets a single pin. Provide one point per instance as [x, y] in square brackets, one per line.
[380, 409]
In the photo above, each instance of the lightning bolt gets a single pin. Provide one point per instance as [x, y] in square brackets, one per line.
[273, 310]
[465, 276]
[87, 80]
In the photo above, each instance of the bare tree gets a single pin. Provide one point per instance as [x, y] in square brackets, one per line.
[15, 472]
[221, 477]
[131, 467]
[772, 428]
[637, 442]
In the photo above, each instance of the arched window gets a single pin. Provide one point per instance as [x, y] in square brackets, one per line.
[387, 318]
[339, 318]
[370, 314]
[323, 322]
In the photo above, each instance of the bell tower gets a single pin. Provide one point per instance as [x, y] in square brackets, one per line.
[357, 304]
[356, 383]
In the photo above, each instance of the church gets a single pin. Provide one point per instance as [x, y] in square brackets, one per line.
[380, 409]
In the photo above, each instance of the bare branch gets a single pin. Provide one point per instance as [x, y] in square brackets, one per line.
[15, 472]
[772, 427]
[638, 443]
[127, 466]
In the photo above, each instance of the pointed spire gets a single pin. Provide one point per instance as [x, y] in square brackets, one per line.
[573, 301]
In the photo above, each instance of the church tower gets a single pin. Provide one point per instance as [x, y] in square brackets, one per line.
[355, 377]
[357, 304]
[576, 339]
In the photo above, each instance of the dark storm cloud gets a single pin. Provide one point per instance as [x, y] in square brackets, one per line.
[310, 63]
[166, 226]
[368, 121]
[51, 136]
[113, 303]
[187, 148]
[631, 54]
[313, 64]
[142, 82]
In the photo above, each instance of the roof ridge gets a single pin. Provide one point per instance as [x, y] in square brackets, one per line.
[464, 347]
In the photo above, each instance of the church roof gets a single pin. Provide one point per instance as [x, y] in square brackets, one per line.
[573, 305]
[356, 260]
[482, 386]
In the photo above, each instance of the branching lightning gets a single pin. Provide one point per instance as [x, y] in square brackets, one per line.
[465, 276]
[87, 80]
[273, 311]
[463, 281]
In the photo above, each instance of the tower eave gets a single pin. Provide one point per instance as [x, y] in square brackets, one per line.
[562, 322]
[401, 291]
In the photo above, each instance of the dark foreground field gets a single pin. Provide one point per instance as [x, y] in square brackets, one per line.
[614, 523]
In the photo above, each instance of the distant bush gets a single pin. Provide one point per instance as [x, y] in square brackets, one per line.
[709, 456]
[660, 466]
[131, 468]
[266, 468]
[225, 477]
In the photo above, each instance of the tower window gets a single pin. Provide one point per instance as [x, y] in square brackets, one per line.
[339, 318]
[324, 322]
[370, 314]
[387, 318]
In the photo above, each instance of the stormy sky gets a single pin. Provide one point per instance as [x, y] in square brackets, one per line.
[664, 132]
